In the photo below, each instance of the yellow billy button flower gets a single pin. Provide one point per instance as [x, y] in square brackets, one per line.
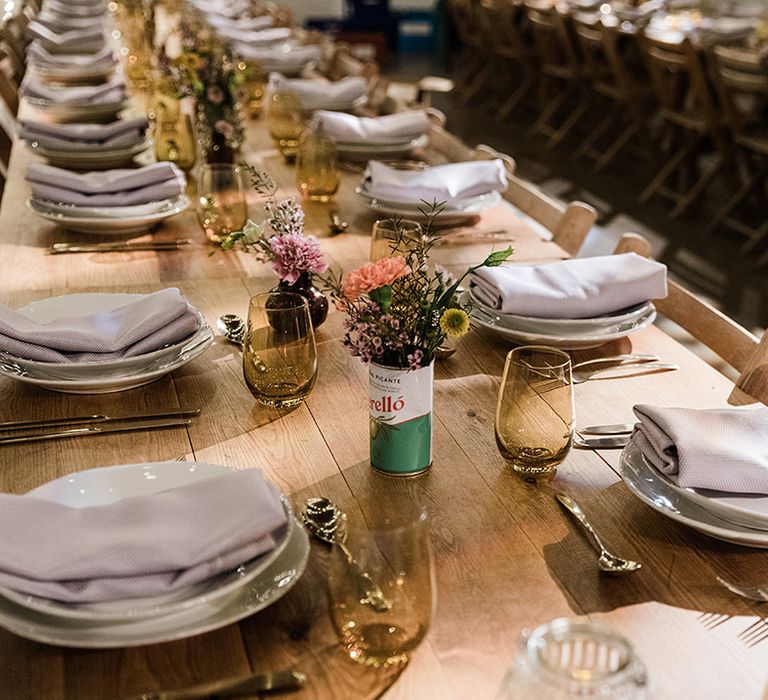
[454, 322]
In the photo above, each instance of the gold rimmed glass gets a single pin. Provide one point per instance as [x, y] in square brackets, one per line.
[389, 234]
[535, 410]
[221, 203]
[279, 354]
[396, 554]
[317, 174]
[285, 122]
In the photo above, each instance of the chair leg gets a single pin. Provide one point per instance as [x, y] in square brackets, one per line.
[586, 148]
[738, 199]
[477, 83]
[567, 125]
[619, 144]
[513, 100]
[541, 125]
[670, 166]
[698, 187]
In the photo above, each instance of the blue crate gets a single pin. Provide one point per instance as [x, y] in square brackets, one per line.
[416, 33]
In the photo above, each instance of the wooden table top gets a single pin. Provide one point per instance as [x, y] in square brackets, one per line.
[507, 557]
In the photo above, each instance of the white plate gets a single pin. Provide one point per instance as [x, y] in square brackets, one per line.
[109, 227]
[644, 481]
[82, 112]
[110, 213]
[97, 158]
[557, 326]
[271, 585]
[455, 211]
[368, 151]
[563, 339]
[68, 305]
[109, 484]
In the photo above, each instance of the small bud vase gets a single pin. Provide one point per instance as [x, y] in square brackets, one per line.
[318, 302]
[401, 419]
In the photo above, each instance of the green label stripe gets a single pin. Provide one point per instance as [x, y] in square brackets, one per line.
[402, 448]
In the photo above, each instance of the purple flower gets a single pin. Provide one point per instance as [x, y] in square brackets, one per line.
[294, 254]
[414, 359]
[215, 95]
[224, 128]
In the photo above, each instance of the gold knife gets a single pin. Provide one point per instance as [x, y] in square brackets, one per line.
[101, 418]
[97, 429]
[233, 687]
[58, 248]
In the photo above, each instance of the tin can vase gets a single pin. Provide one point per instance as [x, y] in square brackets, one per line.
[400, 419]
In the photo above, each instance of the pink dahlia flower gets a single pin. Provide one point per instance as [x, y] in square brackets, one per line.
[295, 254]
[372, 276]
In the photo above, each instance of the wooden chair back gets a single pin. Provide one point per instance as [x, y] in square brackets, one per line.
[500, 25]
[343, 63]
[463, 14]
[555, 47]
[568, 223]
[8, 90]
[721, 334]
[741, 78]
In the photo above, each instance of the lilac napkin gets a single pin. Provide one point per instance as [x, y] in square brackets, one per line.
[314, 94]
[444, 183]
[718, 449]
[222, 8]
[121, 133]
[577, 288]
[61, 23]
[147, 324]
[252, 24]
[137, 547]
[348, 128]
[107, 93]
[38, 55]
[282, 57]
[107, 188]
[66, 9]
[71, 41]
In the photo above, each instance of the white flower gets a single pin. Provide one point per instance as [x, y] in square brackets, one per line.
[253, 231]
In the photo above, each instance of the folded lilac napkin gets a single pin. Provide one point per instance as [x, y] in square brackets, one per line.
[38, 55]
[444, 183]
[66, 9]
[137, 547]
[718, 449]
[576, 288]
[281, 57]
[70, 41]
[62, 23]
[314, 94]
[111, 92]
[403, 126]
[107, 188]
[242, 23]
[260, 37]
[121, 133]
[222, 8]
[147, 324]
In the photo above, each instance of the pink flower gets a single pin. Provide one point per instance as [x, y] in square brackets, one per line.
[215, 94]
[224, 128]
[295, 254]
[372, 276]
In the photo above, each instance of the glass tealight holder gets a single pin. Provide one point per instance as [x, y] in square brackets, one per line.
[535, 410]
[393, 237]
[566, 659]
[175, 141]
[279, 354]
[285, 122]
[221, 204]
[253, 87]
[317, 174]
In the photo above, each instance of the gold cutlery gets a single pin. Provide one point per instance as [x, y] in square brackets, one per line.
[468, 237]
[233, 687]
[609, 563]
[617, 359]
[120, 247]
[101, 418]
[614, 442]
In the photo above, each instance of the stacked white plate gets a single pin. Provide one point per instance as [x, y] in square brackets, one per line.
[108, 221]
[453, 212]
[99, 377]
[89, 157]
[74, 75]
[736, 518]
[570, 334]
[379, 150]
[216, 602]
[79, 111]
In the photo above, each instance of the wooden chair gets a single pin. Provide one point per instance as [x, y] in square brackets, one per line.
[568, 223]
[8, 90]
[562, 89]
[741, 77]
[475, 67]
[688, 110]
[618, 85]
[721, 334]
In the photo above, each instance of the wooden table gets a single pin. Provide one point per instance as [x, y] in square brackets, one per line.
[507, 557]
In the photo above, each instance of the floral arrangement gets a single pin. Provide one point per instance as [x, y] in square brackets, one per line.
[206, 70]
[400, 309]
[279, 239]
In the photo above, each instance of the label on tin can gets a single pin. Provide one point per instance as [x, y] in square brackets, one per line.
[401, 418]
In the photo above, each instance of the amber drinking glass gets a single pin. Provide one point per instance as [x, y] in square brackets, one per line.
[285, 122]
[393, 237]
[175, 141]
[317, 174]
[535, 410]
[394, 555]
[221, 204]
[279, 355]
